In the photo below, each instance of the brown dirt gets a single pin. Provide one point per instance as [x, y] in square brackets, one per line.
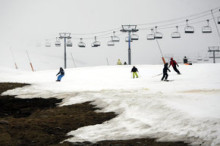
[40, 122]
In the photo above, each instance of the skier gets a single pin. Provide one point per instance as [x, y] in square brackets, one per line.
[174, 64]
[61, 73]
[185, 60]
[134, 70]
[119, 62]
[165, 74]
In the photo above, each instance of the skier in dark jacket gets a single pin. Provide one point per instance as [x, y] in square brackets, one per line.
[165, 74]
[134, 70]
[174, 64]
[61, 73]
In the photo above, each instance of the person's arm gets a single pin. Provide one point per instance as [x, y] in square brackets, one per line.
[177, 64]
[58, 73]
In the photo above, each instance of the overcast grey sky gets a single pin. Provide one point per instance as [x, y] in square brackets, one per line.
[26, 22]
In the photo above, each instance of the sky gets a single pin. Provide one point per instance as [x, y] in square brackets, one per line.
[25, 23]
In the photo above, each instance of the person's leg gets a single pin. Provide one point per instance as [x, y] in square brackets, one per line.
[176, 70]
[166, 76]
[60, 77]
[133, 75]
[136, 74]
[163, 76]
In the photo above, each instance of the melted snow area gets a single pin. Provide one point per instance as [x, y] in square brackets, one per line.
[186, 108]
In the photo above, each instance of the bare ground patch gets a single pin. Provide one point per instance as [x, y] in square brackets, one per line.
[40, 122]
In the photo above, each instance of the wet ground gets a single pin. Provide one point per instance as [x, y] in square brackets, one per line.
[40, 122]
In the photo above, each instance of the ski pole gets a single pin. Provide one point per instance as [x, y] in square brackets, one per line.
[157, 75]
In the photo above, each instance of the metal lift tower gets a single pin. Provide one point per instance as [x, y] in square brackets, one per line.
[214, 49]
[65, 36]
[129, 29]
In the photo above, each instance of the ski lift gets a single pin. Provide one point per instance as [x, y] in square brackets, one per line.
[134, 37]
[158, 35]
[115, 38]
[189, 29]
[206, 59]
[127, 39]
[151, 35]
[207, 28]
[57, 42]
[111, 42]
[176, 34]
[38, 44]
[69, 43]
[47, 44]
[199, 58]
[96, 43]
[81, 44]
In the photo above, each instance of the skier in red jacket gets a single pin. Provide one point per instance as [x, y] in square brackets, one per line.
[174, 64]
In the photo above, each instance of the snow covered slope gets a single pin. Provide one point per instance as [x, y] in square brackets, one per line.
[187, 108]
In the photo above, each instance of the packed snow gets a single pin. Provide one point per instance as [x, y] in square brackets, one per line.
[186, 108]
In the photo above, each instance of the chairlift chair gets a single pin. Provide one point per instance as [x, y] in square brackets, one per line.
[69, 43]
[206, 59]
[115, 38]
[47, 44]
[111, 42]
[96, 43]
[81, 44]
[199, 59]
[189, 29]
[127, 39]
[151, 35]
[57, 42]
[157, 35]
[176, 34]
[134, 37]
[207, 28]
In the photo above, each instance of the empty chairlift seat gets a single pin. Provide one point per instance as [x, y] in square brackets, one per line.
[69, 43]
[151, 35]
[176, 34]
[111, 43]
[189, 29]
[96, 43]
[47, 44]
[207, 28]
[115, 38]
[127, 39]
[81, 44]
[157, 35]
[57, 42]
[134, 37]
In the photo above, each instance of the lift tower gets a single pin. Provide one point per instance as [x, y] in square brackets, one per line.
[129, 29]
[214, 49]
[65, 36]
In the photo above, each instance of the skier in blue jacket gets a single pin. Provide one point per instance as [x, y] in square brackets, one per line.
[61, 73]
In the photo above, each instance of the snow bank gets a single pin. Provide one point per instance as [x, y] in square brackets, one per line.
[183, 109]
